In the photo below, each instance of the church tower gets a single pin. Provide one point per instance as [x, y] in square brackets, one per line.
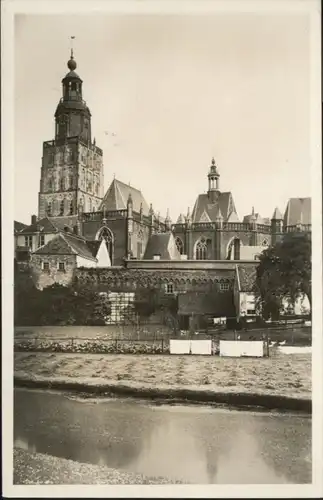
[72, 165]
[213, 182]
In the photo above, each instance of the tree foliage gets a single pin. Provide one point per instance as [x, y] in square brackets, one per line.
[284, 274]
[58, 304]
[145, 302]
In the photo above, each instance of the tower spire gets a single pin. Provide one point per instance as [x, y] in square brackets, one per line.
[72, 55]
[213, 180]
[71, 63]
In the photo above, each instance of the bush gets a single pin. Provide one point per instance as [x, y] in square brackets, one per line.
[93, 347]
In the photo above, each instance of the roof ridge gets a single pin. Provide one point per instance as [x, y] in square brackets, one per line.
[127, 185]
[120, 193]
[67, 242]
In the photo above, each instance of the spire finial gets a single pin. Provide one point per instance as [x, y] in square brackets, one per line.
[213, 160]
[71, 63]
[253, 211]
[72, 55]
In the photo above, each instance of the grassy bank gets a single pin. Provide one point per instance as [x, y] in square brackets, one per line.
[37, 468]
[201, 378]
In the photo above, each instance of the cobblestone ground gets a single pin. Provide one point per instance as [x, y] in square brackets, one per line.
[40, 469]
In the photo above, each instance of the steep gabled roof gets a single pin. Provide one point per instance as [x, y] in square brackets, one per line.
[43, 225]
[162, 244]
[66, 244]
[298, 211]
[277, 215]
[224, 202]
[93, 246]
[117, 195]
[246, 277]
[61, 222]
[233, 217]
[205, 217]
[19, 226]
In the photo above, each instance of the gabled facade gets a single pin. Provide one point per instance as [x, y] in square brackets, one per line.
[57, 261]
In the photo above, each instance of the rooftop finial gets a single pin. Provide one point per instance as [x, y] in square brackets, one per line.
[72, 38]
[71, 63]
[213, 160]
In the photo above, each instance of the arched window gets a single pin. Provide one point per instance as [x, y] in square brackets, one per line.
[49, 209]
[234, 249]
[71, 208]
[62, 184]
[180, 245]
[201, 249]
[50, 185]
[61, 208]
[90, 205]
[71, 179]
[106, 234]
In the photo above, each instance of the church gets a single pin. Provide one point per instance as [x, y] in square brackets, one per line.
[115, 240]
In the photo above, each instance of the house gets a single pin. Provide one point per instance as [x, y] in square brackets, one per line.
[56, 261]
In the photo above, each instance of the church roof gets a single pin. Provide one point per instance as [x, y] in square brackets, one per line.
[67, 244]
[117, 195]
[298, 211]
[224, 203]
[162, 244]
[246, 277]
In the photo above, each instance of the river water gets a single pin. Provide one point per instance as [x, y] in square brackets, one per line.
[189, 443]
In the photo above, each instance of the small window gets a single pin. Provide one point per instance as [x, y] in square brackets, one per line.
[62, 184]
[224, 287]
[61, 208]
[49, 209]
[61, 266]
[169, 288]
[46, 267]
[41, 240]
[71, 208]
[28, 241]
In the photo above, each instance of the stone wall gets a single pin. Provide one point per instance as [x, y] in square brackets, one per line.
[43, 278]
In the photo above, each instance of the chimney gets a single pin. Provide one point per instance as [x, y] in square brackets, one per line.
[33, 219]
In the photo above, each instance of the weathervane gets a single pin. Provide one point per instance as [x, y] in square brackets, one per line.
[72, 38]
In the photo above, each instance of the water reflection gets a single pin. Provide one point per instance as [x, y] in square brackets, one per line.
[191, 444]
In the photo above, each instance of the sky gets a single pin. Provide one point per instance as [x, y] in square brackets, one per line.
[176, 90]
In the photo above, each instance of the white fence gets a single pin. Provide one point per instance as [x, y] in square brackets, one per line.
[242, 348]
[202, 347]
